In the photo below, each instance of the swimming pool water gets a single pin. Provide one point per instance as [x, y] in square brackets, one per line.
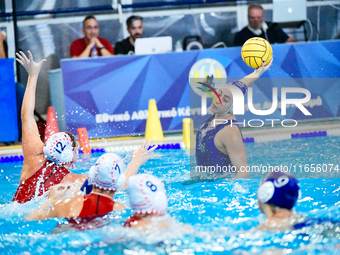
[219, 211]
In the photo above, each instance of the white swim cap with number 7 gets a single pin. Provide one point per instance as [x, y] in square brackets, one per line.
[108, 172]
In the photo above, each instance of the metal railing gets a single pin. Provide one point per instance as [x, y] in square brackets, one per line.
[123, 6]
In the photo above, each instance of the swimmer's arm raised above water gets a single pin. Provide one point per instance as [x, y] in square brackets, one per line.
[138, 159]
[251, 78]
[32, 146]
[57, 207]
[232, 141]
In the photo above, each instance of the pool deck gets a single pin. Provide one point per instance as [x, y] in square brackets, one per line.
[262, 134]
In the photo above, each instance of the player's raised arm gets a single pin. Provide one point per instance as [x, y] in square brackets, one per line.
[32, 145]
[139, 158]
[251, 78]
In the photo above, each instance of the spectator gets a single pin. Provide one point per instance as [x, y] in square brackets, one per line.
[259, 28]
[135, 28]
[3, 45]
[91, 44]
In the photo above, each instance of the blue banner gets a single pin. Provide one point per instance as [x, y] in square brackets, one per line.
[109, 95]
[8, 105]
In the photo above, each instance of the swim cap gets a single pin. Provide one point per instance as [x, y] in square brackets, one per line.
[243, 87]
[58, 148]
[279, 189]
[92, 172]
[108, 172]
[147, 194]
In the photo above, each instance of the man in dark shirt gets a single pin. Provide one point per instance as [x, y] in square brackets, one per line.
[135, 28]
[259, 28]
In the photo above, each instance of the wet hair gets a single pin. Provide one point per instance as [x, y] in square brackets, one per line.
[254, 6]
[88, 17]
[74, 140]
[131, 19]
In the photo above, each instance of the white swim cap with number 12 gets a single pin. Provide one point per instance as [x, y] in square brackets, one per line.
[58, 148]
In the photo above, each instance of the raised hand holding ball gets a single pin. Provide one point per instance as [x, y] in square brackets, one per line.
[255, 50]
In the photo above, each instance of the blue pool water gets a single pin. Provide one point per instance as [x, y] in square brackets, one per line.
[219, 211]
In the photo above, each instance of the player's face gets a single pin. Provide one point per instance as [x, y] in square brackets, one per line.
[75, 155]
[91, 29]
[136, 29]
[261, 206]
[255, 18]
[226, 98]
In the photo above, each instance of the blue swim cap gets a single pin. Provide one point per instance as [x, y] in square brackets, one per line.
[243, 87]
[279, 189]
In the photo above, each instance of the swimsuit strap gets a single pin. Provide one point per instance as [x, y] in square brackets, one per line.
[98, 198]
[48, 177]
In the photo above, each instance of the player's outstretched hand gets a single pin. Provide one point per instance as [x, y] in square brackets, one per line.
[31, 67]
[144, 153]
[263, 68]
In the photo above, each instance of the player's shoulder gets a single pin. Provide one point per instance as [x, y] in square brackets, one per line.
[242, 36]
[31, 166]
[244, 30]
[231, 131]
[71, 177]
[77, 41]
[122, 42]
[119, 43]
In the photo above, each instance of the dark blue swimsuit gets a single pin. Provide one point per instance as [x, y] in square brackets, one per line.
[206, 152]
[310, 222]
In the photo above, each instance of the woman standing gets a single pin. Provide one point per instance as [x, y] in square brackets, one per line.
[221, 145]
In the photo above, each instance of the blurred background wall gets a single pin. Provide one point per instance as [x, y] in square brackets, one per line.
[50, 34]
